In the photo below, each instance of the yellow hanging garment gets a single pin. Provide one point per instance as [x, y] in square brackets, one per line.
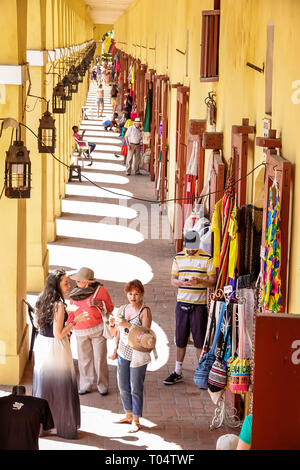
[234, 248]
[216, 226]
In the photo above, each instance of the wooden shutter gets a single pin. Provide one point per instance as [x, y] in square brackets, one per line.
[210, 46]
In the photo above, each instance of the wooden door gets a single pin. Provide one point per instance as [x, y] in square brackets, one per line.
[276, 387]
[239, 145]
[157, 145]
[153, 127]
[180, 165]
[164, 141]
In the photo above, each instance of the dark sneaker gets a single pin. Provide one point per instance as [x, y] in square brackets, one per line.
[173, 378]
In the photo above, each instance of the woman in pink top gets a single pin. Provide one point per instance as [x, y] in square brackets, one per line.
[90, 296]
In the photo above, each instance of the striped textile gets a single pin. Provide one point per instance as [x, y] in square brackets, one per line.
[185, 267]
[227, 206]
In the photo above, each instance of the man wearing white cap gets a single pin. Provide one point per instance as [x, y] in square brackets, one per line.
[134, 137]
[192, 274]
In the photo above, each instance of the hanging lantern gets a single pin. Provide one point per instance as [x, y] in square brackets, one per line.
[80, 77]
[58, 100]
[67, 86]
[73, 77]
[46, 133]
[17, 172]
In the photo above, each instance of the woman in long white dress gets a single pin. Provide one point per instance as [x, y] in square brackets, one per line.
[54, 377]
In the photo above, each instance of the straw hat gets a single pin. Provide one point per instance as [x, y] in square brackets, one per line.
[84, 274]
[138, 120]
[141, 338]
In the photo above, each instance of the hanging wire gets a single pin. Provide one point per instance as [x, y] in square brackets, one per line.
[152, 201]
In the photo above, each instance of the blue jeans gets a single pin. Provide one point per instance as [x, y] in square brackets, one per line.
[92, 146]
[131, 386]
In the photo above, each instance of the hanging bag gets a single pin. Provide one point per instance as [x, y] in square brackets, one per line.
[206, 362]
[106, 328]
[217, 378]
[239, 375]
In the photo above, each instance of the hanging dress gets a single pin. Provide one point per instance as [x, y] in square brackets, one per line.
[54, 379]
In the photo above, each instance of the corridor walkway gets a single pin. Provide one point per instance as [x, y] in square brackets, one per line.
[121, 238]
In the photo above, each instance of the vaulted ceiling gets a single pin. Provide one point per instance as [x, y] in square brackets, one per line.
[107, 11]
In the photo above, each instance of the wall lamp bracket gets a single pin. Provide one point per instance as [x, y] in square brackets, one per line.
[258, 69]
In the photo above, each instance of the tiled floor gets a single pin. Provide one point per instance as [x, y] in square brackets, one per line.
[121, 238]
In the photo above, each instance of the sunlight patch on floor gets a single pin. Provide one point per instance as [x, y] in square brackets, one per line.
[98, 209]
[98, 425]
[107, 265]
[110, 139]
[106, 156]
[97, 231]
[94, 191]
[104, 177]
[106, 166]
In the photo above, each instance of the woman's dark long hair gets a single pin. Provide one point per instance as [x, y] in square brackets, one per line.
[44, 307]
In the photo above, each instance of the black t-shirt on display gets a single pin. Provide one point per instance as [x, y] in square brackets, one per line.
[20, 419]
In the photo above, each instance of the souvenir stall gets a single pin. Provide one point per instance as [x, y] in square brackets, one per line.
[249, 246]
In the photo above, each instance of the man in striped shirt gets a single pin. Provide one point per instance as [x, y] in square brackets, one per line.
[192, 274]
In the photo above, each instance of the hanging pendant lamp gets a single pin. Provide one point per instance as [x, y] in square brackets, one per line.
[17, 172]
[46, 133]
[58, 99]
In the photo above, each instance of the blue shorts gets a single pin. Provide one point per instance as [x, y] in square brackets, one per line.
[190, 317]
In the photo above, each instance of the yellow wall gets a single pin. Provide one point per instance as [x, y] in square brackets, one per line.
[27, 225]
[240, 90]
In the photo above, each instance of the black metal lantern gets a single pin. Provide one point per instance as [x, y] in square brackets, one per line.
[80, 76]
[17, 172]
[67, 86]
[73, 77]
[46, 133]
[58, 99]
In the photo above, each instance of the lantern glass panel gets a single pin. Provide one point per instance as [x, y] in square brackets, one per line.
[18, 177]
[47, 137]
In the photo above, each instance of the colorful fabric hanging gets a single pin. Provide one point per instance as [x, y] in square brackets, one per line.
[111, 46]
[234, 246]
[227, 206]
[216, 227]
[271, 289]
[148, 112]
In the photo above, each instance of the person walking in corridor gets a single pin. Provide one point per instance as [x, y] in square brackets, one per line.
[192, 274]
[90, 296]
[100, 100]
[134, 138]
[130, 371]
[54, 377]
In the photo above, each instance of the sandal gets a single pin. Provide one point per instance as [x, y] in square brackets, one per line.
[135, 426]
[126, 420]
